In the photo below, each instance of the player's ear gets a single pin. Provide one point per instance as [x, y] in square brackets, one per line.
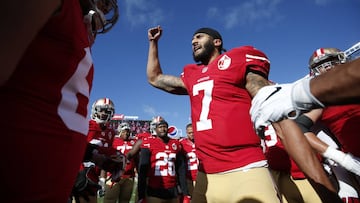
[218, 42]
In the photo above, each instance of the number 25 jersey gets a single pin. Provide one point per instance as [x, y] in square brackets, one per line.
[162, 173]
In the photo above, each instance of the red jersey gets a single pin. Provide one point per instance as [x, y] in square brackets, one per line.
[277, 156]
[141, 136]
[45, 102]
[124, 146]
[192, 161]
[162, 172]
[342, 122]
[101, 137]
[224, 134]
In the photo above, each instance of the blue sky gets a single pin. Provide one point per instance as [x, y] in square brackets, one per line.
[288, 31]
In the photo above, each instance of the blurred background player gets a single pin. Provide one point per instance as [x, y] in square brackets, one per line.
[192, 161]
[52, 107]
[162, 165]
[100, 135]
[121, 190]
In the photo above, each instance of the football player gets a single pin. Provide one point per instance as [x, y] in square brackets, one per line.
[45, 82]
[220, 86]
[101, 136]
[341, 120]
[121, 189]
[307, 94]
[161, 168]
[192, 161]
[321, 61]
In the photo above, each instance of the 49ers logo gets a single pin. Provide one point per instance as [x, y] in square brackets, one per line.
[224, 62]
[174, 146]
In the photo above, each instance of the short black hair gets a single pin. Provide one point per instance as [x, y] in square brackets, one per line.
[162, 122]
[213, 33]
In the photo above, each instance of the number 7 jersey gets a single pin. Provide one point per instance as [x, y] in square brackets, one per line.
[220, 103]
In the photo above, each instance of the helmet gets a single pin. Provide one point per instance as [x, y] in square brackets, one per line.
[102, 15]
[154, 122]
[123, 126]
[325, 58]
[102, 110]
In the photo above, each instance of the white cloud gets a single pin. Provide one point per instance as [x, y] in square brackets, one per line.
[151, 111]
[140, 12]
[254, 13]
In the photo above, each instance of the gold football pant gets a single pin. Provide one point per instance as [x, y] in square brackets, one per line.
[253, 185]
[292, 190]
[120, 191]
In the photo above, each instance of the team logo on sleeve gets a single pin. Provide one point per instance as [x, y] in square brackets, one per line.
[174, 146]
[204, 69]
[224, 62]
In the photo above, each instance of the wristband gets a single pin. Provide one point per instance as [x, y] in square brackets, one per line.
[304, 122]
[334, 154]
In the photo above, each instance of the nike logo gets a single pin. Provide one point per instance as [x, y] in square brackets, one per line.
[277, 89]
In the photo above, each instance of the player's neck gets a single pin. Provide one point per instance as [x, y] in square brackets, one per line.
[165, 139]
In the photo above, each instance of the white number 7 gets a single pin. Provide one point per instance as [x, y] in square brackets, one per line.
[204, 123]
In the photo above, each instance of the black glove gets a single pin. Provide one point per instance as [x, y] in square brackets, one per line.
[84, 186]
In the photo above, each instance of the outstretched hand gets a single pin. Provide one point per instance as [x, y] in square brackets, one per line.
[154, 33]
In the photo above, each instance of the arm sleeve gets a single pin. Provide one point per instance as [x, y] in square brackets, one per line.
[144, 165]
[181, 172]
[89, 152]
[135, 149]
[304, 122]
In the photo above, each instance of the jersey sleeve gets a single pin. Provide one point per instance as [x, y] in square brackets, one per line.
[93, 128]
[145, 143]
[257, 62]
